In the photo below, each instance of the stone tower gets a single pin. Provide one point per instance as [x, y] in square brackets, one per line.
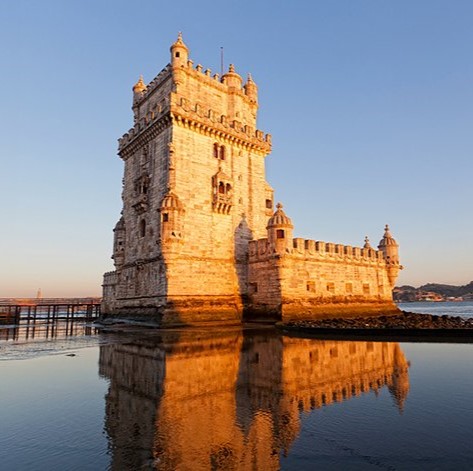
[194, 194]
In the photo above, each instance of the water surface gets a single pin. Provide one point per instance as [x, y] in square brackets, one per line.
[233, 399]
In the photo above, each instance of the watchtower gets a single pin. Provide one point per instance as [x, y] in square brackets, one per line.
[194, 193]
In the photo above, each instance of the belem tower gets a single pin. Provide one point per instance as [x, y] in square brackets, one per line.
[199, 239]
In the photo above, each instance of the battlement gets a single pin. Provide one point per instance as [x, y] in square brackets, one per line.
[195, 114]
[261, 249]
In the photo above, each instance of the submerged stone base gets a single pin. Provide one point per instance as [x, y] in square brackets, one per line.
[177, 311]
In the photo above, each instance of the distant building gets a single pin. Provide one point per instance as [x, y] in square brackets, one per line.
[199, 239]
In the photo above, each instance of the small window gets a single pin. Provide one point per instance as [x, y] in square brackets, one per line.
[222, 153]
[253, 288]
[178, 54]
[311, 286]
[331, 287]
[216, 146]
[228, 188]
[142, 228]
[349, 288]
[221, 188]
[366, 288]
[280, 233]
[269, 204]
[165, 217]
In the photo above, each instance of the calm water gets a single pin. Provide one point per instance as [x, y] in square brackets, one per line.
[232, 399]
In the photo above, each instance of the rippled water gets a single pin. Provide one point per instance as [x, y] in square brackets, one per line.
[232, 399]
[463, 309]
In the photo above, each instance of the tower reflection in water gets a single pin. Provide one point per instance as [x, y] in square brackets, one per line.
[231, 400]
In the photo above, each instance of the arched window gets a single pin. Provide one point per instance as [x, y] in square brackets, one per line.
[142, 228]
[221, 188]
[228, 188]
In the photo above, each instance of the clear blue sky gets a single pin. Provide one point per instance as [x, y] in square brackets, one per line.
[369, 102]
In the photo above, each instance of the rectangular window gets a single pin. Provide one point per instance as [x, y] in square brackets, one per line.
[280, 233]
[311, 286]
[331, 287]
[349, 288]
[366, 288]
[252, 288]
[165, 217]
[269, 204]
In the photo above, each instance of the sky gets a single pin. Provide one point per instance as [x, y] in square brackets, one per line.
[369, 102]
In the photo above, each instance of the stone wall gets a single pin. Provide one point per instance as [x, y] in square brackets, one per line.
[317, 279]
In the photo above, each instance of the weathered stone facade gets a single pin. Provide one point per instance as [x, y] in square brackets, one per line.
[194, 243]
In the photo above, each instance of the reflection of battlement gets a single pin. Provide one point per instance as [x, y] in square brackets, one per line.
[213, 400]
[332, 371]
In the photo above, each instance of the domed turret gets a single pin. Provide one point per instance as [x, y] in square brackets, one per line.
[280, 230]
[251, 90]
[231, 78]
[171, 201]
[119, 243]
[390, 247]
[139, 89]
[171, 220]
[179, 52]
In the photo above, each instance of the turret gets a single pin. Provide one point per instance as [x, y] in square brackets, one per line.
[280, 231]
[119, 243]
[231, 78]
[171, 220]
[139, 89]
[251, 90]
[179, 52]
[390, 249]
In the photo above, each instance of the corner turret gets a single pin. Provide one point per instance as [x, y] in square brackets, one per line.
[280, 231]
[171, 222]
[251, 90]
[139, 89]
[119, 243]
[390, 249]
[179, 52]
[231, 78]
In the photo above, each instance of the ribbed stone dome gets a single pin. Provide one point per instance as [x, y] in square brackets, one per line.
[171, 201]
[231, 78]
[279, 219]
[179, 43]
[388, 239]
[139, 86]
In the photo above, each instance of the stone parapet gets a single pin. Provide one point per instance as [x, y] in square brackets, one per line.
[261, 250]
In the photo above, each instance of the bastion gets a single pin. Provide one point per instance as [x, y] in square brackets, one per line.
[199, 240]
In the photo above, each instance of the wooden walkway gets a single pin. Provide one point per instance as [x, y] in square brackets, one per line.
[21, 313]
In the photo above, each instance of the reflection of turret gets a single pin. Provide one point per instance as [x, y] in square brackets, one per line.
[399, 387]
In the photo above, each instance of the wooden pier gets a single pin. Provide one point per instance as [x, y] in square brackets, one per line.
[49, 312]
